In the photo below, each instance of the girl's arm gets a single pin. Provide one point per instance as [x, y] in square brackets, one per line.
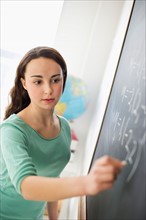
[52, 208]
[101, 177]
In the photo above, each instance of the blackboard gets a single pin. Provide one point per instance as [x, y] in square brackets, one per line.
[123, 130]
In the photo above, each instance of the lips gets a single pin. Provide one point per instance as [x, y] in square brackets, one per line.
[48, 100]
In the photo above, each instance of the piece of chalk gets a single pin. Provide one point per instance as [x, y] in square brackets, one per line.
[124, 162]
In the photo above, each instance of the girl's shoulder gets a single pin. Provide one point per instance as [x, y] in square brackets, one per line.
[12, 119]
[64, 121]
[16, 123]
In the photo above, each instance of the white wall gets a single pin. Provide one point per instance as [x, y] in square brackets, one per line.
[24, 25]
[74, 32]
[27, 24]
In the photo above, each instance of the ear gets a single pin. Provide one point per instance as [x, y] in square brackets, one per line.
[23, 83]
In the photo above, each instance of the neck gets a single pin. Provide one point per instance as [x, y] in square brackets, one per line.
[46, 117]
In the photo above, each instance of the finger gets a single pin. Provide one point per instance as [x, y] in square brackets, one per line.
[103, 169]
[106, 186]
[106, 177]
[99, 169]
[102, 187]
[105, 160]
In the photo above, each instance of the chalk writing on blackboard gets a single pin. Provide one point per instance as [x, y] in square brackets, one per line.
[124, 124]
[138, 156]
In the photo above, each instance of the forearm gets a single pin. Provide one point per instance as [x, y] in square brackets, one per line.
[52, 189]
[52, 208]
[101, 177]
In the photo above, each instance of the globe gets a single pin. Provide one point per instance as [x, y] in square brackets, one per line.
[74, 100]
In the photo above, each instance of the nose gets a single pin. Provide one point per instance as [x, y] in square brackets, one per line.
[48, 89]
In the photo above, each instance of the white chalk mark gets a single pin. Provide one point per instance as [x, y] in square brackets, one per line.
[129, 153]
[121, 129]
[135, 163]
[124, 131]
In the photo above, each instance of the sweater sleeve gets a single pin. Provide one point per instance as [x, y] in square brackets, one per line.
[15, 153]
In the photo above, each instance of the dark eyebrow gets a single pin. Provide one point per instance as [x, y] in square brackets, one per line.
[55, 75]
[40, 76]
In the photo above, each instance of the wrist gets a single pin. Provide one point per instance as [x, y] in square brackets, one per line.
[84, 185]
[91, 187]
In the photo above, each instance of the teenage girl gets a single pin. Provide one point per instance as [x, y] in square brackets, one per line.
[35, 144]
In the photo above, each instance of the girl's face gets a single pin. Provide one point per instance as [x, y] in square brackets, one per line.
[43, 82]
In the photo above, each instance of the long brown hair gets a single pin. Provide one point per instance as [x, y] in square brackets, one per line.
[19, 96]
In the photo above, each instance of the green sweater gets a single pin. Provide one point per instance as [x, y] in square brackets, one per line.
[24, 152]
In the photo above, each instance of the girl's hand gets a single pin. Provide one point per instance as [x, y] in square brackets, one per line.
[103, 174]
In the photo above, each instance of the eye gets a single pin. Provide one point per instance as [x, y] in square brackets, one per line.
[56, 80]
[37, 82]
